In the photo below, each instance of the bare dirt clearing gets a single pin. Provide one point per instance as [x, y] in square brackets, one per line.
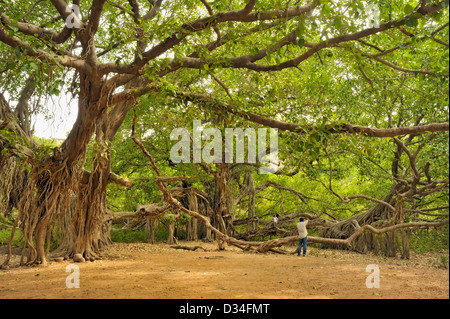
[142, 270]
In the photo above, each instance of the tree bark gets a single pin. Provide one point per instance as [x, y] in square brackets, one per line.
[251, 202]
[150, 229]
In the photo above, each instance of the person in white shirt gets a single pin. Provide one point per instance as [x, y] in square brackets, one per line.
[275, 221]
[302, 235]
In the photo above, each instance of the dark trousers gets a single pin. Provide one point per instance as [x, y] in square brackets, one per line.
[302, 242]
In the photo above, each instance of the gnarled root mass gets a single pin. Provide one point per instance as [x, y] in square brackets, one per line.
[46, 194]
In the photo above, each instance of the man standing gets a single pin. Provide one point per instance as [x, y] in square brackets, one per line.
[302, 235]
[275, 221]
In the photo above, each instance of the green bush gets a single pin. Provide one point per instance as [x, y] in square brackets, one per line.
[129, 236]
[5, 235]
[136, 236]
[425, 240]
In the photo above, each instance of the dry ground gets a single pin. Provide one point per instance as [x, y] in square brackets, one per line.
[159, 272]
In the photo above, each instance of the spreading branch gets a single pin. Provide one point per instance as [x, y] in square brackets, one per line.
[216, 104]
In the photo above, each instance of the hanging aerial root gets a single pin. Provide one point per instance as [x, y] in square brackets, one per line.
[46, 194]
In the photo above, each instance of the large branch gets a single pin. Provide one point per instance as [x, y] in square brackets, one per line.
[221, 106]
[94, 18]
[176, 64]
[302, 129]
[66, 60]
[39, 32]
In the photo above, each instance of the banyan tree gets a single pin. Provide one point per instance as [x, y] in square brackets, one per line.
[319, 72]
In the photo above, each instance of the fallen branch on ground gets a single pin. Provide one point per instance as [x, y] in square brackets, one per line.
[188, 248]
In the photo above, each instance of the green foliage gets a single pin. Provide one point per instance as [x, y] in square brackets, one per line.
[128, 236]
[430, 240]
[136, 236]
[5, 236]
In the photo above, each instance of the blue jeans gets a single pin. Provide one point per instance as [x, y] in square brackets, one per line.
[302, 241]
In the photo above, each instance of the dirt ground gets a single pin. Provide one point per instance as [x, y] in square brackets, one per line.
[158, 271]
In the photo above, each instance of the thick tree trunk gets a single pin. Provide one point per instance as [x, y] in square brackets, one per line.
[90, 225]
[150, 229]
[13, 178]
[346, 228]
[56, 179]
[90, 222]
[171, 230]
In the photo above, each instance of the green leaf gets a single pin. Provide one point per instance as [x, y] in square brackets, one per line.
[411, 22]
[300, 30]
[53, 91]
[326, 10]
[301, 43]
[255, 51]
[408, 9]
[337, 22]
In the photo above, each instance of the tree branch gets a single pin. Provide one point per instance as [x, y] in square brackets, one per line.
[303, 129]
[33, 30]
[66, 60]
[243, 15]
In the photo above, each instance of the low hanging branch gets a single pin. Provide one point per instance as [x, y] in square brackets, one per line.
[222, 106]
[268, 245]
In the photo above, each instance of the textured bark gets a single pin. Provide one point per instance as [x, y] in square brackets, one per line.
[150, 229]
[251, 202]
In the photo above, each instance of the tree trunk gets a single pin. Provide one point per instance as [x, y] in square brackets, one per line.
[191, 234]
[171, 229]
[13, 178]
[56, 179]
[150, 229]
[378, 213]
[251, 202]
[399, 219]
[221, 210]
[345, 228]
[90, 224]
[91, 232]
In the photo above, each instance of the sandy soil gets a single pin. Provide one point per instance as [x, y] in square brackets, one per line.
[159, 272]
